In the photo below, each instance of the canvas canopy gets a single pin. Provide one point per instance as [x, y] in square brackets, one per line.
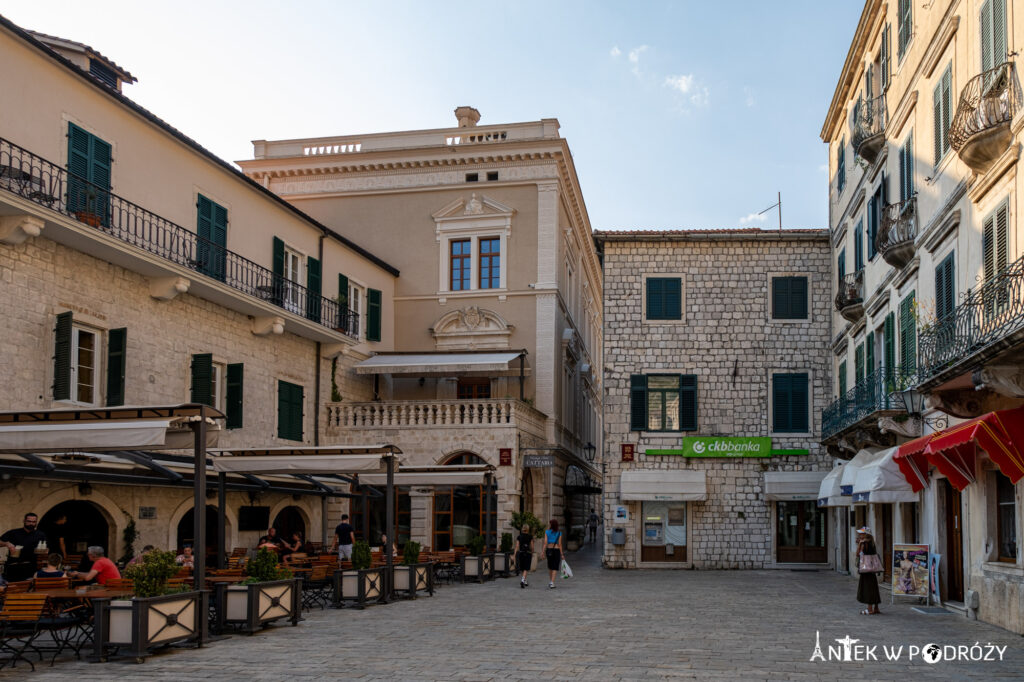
[792, 485]
[315, 460]
[881, 481]
[472, 474]
[658, 484]
[438, 363]
[851, 468]
[829, 492]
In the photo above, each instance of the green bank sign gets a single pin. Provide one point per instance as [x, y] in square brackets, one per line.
[720, 446]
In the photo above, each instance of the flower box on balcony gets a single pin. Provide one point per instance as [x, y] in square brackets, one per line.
[89, 218]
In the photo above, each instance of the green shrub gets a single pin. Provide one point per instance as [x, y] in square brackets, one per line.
[520, 519]
[150, 575]
[360, 555]
[506, 542]
[476, 545]
[411, 553]
[264, 568]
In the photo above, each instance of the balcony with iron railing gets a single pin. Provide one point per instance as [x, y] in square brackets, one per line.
[867, 134]
[52, 187]
[987, 321]
[850, 299]
[897, 231]
[980, 131]
[874, 396]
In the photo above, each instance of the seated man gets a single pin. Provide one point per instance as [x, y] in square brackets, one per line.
[185, 559]
[270, 541]
[103, 569]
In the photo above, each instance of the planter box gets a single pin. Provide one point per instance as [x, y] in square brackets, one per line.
[252, 607]
[478, 568]
[360, 587]
[572, 545]
[141, 624]
[413, 579]
[503, 564]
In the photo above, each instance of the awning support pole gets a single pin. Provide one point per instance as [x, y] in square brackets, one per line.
[199, 519]
[522, 375]
[389, 578]
[222, 537]
[366, 516]
[323, 520]
[488, 492]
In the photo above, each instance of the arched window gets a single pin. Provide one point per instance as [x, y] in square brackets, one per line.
[460, 511]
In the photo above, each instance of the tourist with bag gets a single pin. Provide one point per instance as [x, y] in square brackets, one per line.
[869, 565]
[553, 551]
[524, 554]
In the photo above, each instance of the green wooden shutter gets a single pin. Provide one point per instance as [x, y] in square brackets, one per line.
[883, 59]
[212, 229]
[202, 379]
[117, 345]
[908, 155]
[313, 289]
[858, 246]
[673, 298]
[78, 168]
[841, 265]
[995, 242]
[655, 299]
[999, 41]
[782, 409]
[869, 355]
[937, 122]
[688, 402]
[798, 401]
[858, 364]
[947, 105]
[780, 298]
[904, 26]
[343, 293]
[842, 378]
[234, 392]
[798, 298]
[945, 293]
[373, 314]
[908, 335]
[62, 358]
[889, 342]
[841, 164]
[637, 402]
[289, 410]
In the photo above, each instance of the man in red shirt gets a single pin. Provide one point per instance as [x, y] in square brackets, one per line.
[103, 569]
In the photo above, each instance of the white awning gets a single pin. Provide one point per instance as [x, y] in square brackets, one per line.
[658, 484]
[792, 485]
[135, 434]
[881, 481]
[298, 464]
[437, 363]
[829, 493]
[851, 468]
[432, 478]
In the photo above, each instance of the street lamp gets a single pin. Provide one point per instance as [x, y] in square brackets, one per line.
[589, 450]
[913, 401]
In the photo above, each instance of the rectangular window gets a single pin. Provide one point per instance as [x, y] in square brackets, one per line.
[474, 388]
[841, 266]
[492, 176]
[459, 264]
[945, 288]
[117, 348]
[212, 228]
[908, 334]
[907, 168]
[490, 263]
[102, 73]
[841, 165]
[993, 34]
[942, 103]
[664, 298]
[889, 342]
[663, 402]
[1006, 515]
[904, 24]
[84, 365]
[374, 314]
[875, 206]
[884, 58]
[289, 411]
[858, 364]
[293, 292]
[858, 246]
[89, 170]
[995, 257]
[789, 298]
[355, 304]
[472, 177]
[207, 386]
[233, 400]
[842, 379]
[790, 403]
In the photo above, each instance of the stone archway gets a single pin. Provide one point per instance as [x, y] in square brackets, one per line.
[185, 507]
[81, 523]
[113, 515]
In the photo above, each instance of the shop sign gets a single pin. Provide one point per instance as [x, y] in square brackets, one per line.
[505, 457]
[538, 461]
[627, 452]
[720, 446]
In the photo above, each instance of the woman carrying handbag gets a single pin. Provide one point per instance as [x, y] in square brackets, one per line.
[869, 565]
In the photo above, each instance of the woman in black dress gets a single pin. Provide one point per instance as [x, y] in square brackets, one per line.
[867, 588]
[524, 554]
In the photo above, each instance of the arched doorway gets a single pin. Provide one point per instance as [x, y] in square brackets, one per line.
[459, 510]
[186, 530]
[526, 496]
[83, 526]
[289, 520]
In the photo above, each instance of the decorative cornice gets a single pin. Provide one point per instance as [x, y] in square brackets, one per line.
[939, 234]
[878, 300]
[908, 271]
[902, 114]
[981, 184]
[937, 47]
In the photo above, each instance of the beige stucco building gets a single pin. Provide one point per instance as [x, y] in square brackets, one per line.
[924, 134]
[497, 352]
[139, 269]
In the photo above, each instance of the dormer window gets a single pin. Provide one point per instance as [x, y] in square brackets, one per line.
[102, 73]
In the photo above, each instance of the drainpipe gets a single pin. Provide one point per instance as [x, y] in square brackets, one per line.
[316, 367]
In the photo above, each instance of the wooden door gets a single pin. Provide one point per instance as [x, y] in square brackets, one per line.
[954, 544]
[801, 533]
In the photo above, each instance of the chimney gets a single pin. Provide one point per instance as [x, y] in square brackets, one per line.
[468, 116]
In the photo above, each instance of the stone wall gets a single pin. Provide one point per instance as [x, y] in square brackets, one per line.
[728, 339]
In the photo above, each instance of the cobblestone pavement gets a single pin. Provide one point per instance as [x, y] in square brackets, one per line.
[601, 625]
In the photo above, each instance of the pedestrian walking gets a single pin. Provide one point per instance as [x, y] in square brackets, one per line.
[553, 550]
[343, 539]
[592, 522]
[869, 566]
[524, 554]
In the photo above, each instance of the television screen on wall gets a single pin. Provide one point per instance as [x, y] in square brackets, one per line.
[253, 518]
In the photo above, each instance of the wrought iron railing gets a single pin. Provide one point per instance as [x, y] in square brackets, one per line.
[985, 316]
[868, 120]
[897, 231]
[851, 290]
[989, 99]
[876, 392]
[53, 187]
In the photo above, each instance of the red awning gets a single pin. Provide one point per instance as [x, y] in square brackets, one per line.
[913, 462]
[1000, 434]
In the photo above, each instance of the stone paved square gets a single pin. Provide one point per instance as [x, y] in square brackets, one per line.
[601, 625]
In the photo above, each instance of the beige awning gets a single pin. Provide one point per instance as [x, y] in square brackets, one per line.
[880, 481]
[135, 434]
[850, 469]
[829, 492]
[658, 484]
[332, 459]
[438, 363]
[792, 485]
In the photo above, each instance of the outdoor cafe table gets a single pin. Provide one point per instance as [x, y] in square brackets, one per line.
[73, 594]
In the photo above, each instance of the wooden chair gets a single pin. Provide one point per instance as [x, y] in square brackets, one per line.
[317, 587]
[120, 584]
[42, 584]
[20, 624]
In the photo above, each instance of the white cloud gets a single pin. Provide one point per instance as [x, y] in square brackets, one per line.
[823, 168]
[749, 99]
[700, 97]
[615, 51]
[682, 83]
[634, 58]
[752, 218]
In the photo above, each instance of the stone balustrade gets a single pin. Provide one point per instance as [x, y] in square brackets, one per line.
[419, 413]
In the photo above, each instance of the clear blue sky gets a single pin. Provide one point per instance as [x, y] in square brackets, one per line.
[678, 114]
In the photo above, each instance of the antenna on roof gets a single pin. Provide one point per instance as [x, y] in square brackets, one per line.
[779, 205]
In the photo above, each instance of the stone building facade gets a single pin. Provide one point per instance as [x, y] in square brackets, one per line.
[698, 306]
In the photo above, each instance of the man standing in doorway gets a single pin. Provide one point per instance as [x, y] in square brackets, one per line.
[24, 540]
[343, 539]
[592, 522]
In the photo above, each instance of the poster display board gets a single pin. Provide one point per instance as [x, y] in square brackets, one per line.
[933, 575]
[910, 571]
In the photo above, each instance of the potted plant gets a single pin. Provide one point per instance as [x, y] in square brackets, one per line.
[269, 593]
[413, 575]
[158, 615]
[360, 584]
[478, 565]
[503, 558]
[87, 213]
